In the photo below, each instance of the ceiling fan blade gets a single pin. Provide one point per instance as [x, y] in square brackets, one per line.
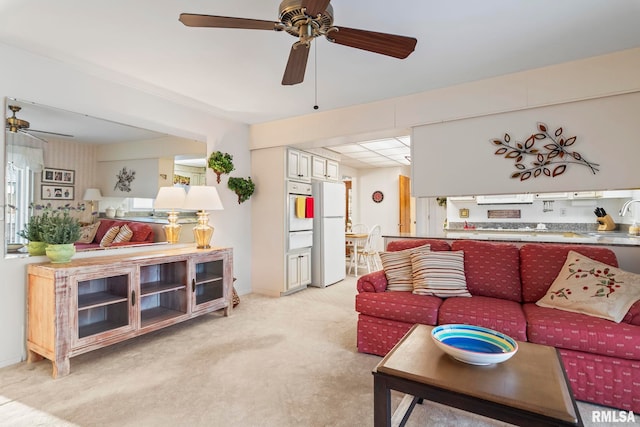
[382, 43]
[315, 7]
[194, 20]
[296, 65]
[49, 133]
[33, 136]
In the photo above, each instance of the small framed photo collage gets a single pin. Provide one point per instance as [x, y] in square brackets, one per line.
[57, 184]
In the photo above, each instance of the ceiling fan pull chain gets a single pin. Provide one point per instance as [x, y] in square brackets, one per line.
[315, 72]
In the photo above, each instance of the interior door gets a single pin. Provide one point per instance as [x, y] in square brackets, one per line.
[404, 191]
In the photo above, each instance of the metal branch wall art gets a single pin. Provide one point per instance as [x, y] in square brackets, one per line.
[550, 161]
[124, 178]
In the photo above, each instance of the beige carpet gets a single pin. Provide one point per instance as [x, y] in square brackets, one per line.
[288, 361]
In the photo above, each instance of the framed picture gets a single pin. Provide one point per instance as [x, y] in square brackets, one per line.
[56, 192]
[58, 176]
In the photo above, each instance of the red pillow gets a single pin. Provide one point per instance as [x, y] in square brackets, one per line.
[141, 231]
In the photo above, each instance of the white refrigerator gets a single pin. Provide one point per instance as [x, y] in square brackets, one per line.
[328, 250]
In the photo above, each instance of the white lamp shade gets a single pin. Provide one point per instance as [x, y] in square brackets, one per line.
[203, 198]
[170, 198]
[92, 194]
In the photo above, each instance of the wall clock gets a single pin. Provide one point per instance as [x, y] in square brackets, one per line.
[377, 196]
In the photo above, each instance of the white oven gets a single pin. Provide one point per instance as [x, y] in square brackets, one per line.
[299, 227]
[298, 190]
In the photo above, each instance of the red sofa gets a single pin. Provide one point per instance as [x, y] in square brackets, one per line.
[601, 357]
[142, 234]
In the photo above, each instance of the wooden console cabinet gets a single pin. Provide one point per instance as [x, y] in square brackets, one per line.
[90, 303]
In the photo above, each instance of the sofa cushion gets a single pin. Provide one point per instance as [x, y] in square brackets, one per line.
[399, 306]
[107, 239]
[397, 268]
[124, 234]
[105, 225]
[141, 232]
[434, 244]
[492, 269]
[574, 331]
[540, 264]
[440, 274]
[88, 233]
[494, 313]
[593, 288]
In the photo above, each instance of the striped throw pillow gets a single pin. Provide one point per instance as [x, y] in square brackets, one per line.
[397, 268]
[440, 274]
[124, 235]
[108, 237]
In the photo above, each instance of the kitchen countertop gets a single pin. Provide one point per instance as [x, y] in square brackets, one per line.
[608, 238]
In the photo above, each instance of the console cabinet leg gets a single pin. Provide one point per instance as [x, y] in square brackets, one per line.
[61, 367]
[33, 357]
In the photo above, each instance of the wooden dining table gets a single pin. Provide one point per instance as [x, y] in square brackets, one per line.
[354, 240]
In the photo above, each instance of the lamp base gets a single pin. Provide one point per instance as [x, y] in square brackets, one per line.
[203, 232]
[172, 230]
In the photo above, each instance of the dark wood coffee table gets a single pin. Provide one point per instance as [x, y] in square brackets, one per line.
[530, 389]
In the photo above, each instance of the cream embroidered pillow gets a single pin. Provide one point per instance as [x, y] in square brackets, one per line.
[440, 274]
[124, 235]
[397, 268]
[590, 287]
[111, 234]
[88, 233]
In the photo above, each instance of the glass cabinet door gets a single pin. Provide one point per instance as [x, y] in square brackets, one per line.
[163, 292]
[104, 306]
[208, 283]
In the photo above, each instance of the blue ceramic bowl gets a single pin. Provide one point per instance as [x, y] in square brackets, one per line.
[474, 344]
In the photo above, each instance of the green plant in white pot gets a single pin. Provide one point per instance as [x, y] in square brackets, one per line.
[60, 231]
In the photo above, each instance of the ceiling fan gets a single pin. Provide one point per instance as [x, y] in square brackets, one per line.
[308, 19]
[16, 125]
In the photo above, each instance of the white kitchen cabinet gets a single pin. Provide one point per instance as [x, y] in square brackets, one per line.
[298, 269]
[299, 165]
[586, 194]
[325, 169]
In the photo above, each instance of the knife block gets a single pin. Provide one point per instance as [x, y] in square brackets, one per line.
[606, 223]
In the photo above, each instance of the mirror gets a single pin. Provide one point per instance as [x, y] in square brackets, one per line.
[52, 156]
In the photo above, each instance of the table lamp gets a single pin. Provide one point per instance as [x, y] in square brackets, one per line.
[171, 198]
[203, 198]
[92, 195]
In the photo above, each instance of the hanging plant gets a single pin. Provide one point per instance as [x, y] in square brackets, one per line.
[221, 163]
[243, 187]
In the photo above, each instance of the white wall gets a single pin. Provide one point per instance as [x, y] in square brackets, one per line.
[461, 153]
[386, 213]
[48, 82]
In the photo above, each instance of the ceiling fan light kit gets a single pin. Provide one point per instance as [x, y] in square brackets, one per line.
[306, 20]
[16, 125]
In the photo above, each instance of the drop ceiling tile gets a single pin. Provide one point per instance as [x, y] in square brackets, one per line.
[391, 151]
[382, 144]
[352, 148]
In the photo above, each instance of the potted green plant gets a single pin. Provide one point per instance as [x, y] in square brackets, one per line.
[60, 231]
[221, 163]
[243, 187]
[33, 233]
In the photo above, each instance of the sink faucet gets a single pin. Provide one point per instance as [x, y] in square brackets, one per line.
[625, 207]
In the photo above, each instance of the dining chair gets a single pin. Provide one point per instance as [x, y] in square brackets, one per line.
[368, 255]
[356, 229]
[370, 251]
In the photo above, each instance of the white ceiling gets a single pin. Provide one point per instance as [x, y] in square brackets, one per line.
[238, 72]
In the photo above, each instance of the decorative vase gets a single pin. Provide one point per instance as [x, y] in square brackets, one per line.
[36, 248]
[59, 254]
